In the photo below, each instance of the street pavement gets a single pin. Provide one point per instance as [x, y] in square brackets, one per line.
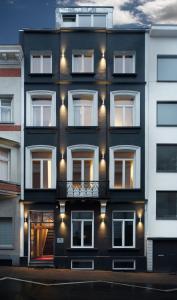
[18, 283]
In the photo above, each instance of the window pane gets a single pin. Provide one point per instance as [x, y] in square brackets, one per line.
[77, 170]
[128, 116]
[82, 215]
[77, 63]
[46, 116]
[118, 116]
[117, 229]
[118, 64]
[4, 154]
[88, 170]
[128, 233]
[36, 116]
[87, 116]
[166, 205]
[99, 21]
[47, 175]
[36, 174]
[5, 114]
[167, 68]
[36, 216]
[84, 20]
[36, 64]
[124, 154]
[87, 233]
[76, 233]
[118, 180]
[129, 64]
[69, 18]
[41, 154]
[128, 174]
[123, 215]
[6, 237]
[167, 158]
[4, 164]
[88, 59]
[77, 115]
[3, 170]
[167, 114]
[47, 64]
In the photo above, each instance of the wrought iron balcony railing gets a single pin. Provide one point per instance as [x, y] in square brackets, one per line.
[83, 189]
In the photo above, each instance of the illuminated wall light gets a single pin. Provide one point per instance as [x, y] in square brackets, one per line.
[140, 219]
[25, 219]
[62, 209]
[62, 155]
[103, 210]
[103, 54]
[140, 216]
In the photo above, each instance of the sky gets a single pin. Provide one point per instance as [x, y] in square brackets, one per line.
[19, 14]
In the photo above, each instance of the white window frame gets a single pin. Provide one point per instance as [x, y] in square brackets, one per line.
[136, 106]
[123, 229]
[71, 94]
[95, 159]
[8, 162]
[82, 53]
[82, 229]
[11, 111]
[28, 161]
[41, 55]
[29, 106]
[123, 54]
[124, 260]
[82, 260]
[124, 160]
[41, 160]
[136, 167]
[82, 160]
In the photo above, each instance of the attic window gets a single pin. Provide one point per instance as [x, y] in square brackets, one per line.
[69, 18]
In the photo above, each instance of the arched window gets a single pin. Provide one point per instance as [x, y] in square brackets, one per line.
[41, 108]
[124, 167]
[125, 109]
[41, 167]
[82, 108]
[82, 171]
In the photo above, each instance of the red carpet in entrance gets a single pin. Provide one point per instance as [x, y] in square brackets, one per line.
[43, 258]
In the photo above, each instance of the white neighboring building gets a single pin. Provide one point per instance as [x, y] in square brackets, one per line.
[161, 148]
[11, 91]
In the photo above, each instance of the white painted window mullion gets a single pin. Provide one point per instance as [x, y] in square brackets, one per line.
[41, 170]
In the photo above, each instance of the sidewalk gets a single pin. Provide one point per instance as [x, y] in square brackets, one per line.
[56, 275]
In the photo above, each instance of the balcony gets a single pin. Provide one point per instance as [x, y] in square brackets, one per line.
[83, 189]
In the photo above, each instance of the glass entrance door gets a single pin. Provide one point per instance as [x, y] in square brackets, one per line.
[41, 236]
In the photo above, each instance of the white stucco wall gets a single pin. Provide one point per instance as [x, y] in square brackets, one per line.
[158, 91]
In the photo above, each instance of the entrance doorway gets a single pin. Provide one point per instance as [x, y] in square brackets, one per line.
[41, 236]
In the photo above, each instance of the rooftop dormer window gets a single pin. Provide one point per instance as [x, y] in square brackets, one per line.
[84, 17]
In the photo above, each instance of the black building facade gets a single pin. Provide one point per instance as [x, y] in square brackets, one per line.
[84, 140]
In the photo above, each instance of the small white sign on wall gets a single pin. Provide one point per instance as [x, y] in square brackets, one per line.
[60, 240]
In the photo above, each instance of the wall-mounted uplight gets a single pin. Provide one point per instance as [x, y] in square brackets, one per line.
[62, 53]
[25, 219]
[103, 54]
[140, 216]
[103, 209]
[140, 219]
[62, 155]
[62, 209]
